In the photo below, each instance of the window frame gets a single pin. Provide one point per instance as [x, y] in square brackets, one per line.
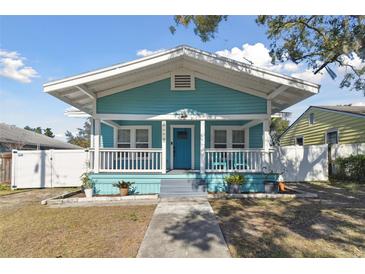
[309, 118]
[229, 130]
[331, 131]
[296, 138]
[133, 136]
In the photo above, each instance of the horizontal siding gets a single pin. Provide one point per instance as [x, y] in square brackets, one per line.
[157, 98]
[255, 136]
[351, 129]
[107, 136]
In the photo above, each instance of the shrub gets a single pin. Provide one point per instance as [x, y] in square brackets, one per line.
[235, 179]
[350, 169]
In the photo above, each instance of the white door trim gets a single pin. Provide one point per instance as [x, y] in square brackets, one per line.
[172, 144]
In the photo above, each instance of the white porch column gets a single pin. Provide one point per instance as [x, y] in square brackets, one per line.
[163, 156]
[266, 135]
[92, 133]
[202, 146]
[96, 145]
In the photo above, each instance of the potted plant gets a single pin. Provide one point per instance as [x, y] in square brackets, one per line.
[123, 187]
[270, 184]
[234, 182]
[281, 183]
[87, 185]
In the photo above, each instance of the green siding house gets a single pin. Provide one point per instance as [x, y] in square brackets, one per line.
[327, 124]
[180, 119]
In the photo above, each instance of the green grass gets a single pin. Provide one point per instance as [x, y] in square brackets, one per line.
[6, 190]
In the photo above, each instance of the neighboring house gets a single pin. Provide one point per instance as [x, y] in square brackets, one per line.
[179, 115]
[327, 125]
[12, 137]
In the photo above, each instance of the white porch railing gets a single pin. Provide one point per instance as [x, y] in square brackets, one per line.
[240, 160]
[128, 160]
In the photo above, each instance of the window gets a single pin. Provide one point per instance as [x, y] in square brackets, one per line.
[124, 138]
[220, 139]
[238, 139]
[182, 81]
[141, 138]
[228, 137]
[134, 137]
[311, 119]
[332, 137]
[299, 141]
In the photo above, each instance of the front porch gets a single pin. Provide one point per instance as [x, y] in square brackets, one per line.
[179, 150]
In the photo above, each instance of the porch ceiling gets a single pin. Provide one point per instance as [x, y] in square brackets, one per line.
[82, 90]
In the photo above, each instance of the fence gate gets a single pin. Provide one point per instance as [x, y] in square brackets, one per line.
[48, 168]
[5, 168]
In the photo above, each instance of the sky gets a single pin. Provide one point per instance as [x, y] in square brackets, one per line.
[35, 50]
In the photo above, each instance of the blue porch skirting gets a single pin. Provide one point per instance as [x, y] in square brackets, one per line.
[150, 183]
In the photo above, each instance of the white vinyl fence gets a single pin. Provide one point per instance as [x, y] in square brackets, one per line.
[302, 163]
[346, 150]
[48, 168]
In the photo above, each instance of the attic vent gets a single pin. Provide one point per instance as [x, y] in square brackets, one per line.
[182, 82]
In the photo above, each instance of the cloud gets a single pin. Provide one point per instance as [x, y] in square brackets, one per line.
[12, 66]
[259, 55]
[146, 52]
[308, 75]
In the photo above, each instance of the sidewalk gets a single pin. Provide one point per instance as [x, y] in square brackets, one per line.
[183, 228]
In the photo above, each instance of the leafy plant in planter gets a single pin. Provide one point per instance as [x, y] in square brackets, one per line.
[87, 185]
[234, 182]
[123, 187]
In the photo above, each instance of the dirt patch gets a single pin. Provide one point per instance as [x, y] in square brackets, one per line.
[28, 229]
[332, 225]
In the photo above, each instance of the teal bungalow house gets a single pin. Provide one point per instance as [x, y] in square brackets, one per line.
[177, 122]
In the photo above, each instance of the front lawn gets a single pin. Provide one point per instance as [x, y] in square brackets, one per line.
[331, 226]
[29, 229]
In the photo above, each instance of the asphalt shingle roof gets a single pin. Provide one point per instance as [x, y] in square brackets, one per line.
[13, 134]
[350, 109]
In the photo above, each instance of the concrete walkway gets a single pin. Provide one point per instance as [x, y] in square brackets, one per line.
[183, 228]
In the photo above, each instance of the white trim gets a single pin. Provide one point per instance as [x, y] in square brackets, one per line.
[134, 84]
[84, 90]
[163, 146]
[295, 140]
[229, 130]
[96, 145]
[174, 117]
[172, 144]
[202, 146]
[133, 134]
[277, 91]
[174, 53]
[330, 131]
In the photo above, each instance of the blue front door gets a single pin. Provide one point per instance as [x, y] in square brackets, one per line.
[182, 148]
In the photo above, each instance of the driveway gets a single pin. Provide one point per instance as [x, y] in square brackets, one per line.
[183, 228]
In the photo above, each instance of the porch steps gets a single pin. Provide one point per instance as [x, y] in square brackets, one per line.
[183, 188]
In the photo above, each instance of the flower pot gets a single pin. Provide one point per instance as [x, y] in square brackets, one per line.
[270, 186]
[281, 186]
[88, 192]
[123, 191]
[234, 188]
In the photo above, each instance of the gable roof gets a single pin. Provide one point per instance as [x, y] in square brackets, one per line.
[346, 109]
[82, 90]
[15, 135]
[358, 111]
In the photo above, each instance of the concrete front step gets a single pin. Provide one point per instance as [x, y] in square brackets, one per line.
[183, 188]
